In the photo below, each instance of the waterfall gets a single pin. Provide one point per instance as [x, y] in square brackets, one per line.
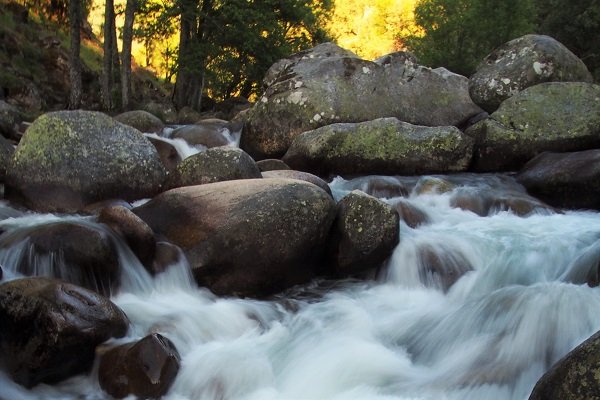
[471, 305]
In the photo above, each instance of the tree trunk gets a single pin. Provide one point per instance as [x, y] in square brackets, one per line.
[108, 62]
[75, 15]
[130, 10]
[183, 79]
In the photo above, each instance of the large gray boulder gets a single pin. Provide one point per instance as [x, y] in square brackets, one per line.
[383, 146]
[553, 116]
[328, 85]
[521, 63]
[141, 120]
[69, 159]
[49, 329]
[566, 180]
[252, 237]
[574, 377]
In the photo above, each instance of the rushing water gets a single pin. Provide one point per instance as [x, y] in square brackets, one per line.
[521, 305]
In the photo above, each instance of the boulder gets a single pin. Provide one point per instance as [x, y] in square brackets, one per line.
[208, 133]
[585, 268]
[303, 176]
[383, 146]
[214, 165]
[141, 120]
[49, 329]
[565, 180]
[327, 85]
[136, 233]
[6, 152]
[385, 187]
[10, 118]
[166, 254]
[440, 267]
[432, 185]
[248, 238]
[164, 111]
[144, 369]
[169, 156]
[574, 377]
[69, 159]
[485, 201]
[364, 234]
[410, 214]
[521, 63]
[78, 254]
[188, 115]
[554, 116]
[271, 164]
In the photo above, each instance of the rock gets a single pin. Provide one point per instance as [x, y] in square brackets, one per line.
[75, 253]
[303, 176]
[327, 85]
[585, 269]
[69, 159]
[432, 185]
[441, 267]
[136, 233]
[166, 254]
[208, 133]
[1, 273]
[271, 164]
[383, 146]
[248, 238]
[566, 180]
[164, 111]
[169, 156]
[231, 106]
[141, 120]
[6, 152]
[188, 115]
[487, 201]
[364, 234]
[555, 116]
[145, 369]
[49, 329]
[411, 215]
[574, 377]
[521, 63]
[10, 118]
[385, 187]
[215, 165]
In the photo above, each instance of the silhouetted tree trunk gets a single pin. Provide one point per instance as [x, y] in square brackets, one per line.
[130, 10]
[109, 55]
[75, 15]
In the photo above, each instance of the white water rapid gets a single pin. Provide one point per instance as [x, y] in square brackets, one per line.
[521, 305]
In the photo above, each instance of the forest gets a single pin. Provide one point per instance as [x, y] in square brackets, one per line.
[198, 52]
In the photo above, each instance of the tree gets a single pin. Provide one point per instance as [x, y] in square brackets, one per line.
[111, 58]
[130, 10]
[75, 17]
[458, 34]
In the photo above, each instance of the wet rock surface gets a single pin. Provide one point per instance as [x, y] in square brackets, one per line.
[300, 175]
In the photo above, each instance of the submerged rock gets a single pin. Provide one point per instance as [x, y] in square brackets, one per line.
[49, 329]
[214, 165]
[381, 146]
[566, 180]
[168, 154]
[252, 237]
[557, 116]
[410, 214]
[364, 234]
[145, 369]
[487, 201]
[328, 84]
[69, 159]
[303, 176]
[521, 63]
[209, 133]
[440, 267]
[141, 120]
[574, 377]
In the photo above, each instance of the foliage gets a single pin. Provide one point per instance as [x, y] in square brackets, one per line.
[576, 24]
[458, 34]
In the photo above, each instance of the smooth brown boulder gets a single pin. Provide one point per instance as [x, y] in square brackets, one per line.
[440, 267]
[209, 133]
[410, 214]
[271, 164]
[303, 176]
[487, 201]
[169, 156]
[364, 234]
[141, 120]
[145, 369]
[49, 329]
[250, 237]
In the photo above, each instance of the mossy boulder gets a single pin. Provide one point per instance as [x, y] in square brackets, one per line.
[364, 234]
[49, 329]
[554, 116]
[141, 120]
[166, 112]
[383, 146]
[521, 63]
[327, 85]
[69, 159]
[252, 237]
[574, 377]
[214, 165]
[566, 180]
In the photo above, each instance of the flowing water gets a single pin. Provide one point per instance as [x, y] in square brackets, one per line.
[519, 302]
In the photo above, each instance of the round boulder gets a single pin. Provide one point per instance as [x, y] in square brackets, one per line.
[145, 369]
[521, 63]
[365, 232]
[141, 120]
[208, 133]
[214, 165]
[164, 111]
[68, 159]
[49, 329]
[271, 164]
[168, 154]
[252, 237]
[303, 176]
[410, 214]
